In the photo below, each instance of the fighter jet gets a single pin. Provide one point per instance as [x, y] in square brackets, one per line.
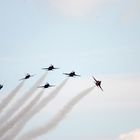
[1, 86]
[47, 85]
[71, 74]
[27, 76]
[50, 68]
[97, 83]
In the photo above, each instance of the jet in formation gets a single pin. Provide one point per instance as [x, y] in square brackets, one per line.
[98, 83]
[71, 74]
[27, 76]
[50, 68]
[47, 85]
[1, 86]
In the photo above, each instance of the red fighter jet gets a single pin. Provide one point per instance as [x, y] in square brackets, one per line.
[98, 83]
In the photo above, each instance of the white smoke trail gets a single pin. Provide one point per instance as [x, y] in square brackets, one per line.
[18, 127]
[57, 118]
[21, 101]
[4, 103]
[4, 129]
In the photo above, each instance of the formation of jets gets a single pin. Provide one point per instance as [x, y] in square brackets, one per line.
[51, 68]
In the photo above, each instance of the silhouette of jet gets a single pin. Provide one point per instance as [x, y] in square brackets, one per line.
[47, 85]
[71, 74]
[1, 86]
[27, 76]
[98, 83]
[50, 68]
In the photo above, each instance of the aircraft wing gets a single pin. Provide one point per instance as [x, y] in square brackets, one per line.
[77, 75]
[21, 79]
[51, 85]
[101, 88]
[32, 75]
[44, 68]
[94, 78]
[41, 87]
[66, 73]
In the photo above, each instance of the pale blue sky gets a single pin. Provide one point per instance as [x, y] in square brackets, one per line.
[36, 33]
[31, 38]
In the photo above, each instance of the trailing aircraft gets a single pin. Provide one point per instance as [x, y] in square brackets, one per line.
[98, 83]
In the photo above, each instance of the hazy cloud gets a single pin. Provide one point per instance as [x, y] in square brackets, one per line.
[133, 135]
[132, 11]
[80, 8]
[75, 7]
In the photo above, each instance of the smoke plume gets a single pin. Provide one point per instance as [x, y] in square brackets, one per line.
[4, 103]
[4, 129]
[57, 118]
[21, 101]
[16, 130]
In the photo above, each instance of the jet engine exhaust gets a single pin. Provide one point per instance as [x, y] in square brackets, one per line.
[22, 100]
[57, 118]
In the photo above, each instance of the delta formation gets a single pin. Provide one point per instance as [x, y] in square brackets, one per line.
[51, 68]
